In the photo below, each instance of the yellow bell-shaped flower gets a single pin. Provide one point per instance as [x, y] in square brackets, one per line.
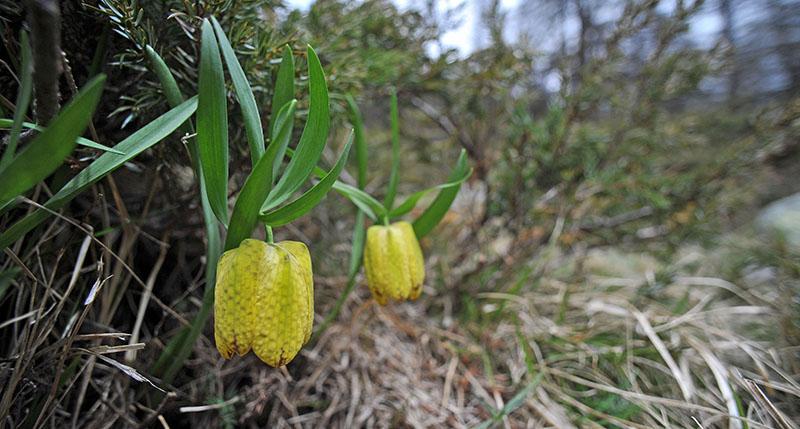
[264, 300]
[393, 262]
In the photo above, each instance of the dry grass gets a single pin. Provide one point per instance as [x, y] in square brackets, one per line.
[581, 354]
[561, 340]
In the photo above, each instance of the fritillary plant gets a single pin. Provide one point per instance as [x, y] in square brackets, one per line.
[261, 292]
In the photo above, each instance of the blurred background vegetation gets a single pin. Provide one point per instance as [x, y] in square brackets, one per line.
[633, 159]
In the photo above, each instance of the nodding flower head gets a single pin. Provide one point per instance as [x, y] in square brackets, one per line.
[264, 300]
[393, 262]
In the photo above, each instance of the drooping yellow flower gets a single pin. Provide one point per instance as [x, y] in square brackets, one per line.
[393, 262]
[264, 300]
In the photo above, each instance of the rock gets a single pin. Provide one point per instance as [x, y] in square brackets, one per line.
[780, 220]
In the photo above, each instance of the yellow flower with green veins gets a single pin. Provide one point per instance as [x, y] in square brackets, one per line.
[264, 300]
[393, 262]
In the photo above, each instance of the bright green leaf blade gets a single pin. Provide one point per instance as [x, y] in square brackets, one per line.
[284, 86]
[439, 207]
[394, 174]
[132, 146]
[364, 201]
[180, 346]
[244, 93]
[47, 150]
[361, 140]
[8, 123]
[414, 198]
[310, 198]
[168, 84]
[282, 135]
[174, 97]
[357, 250]
[23, 100]
[312, 141]
[94, 145]
[255, 190]
[248, 204]
[212, 124]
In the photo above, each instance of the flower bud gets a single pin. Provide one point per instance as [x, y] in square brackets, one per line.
[264, 300]
[393, 262]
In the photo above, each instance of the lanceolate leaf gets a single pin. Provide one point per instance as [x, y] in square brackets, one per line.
[361, 140]
[364, 201]
[394, 174]
[252, 119]
[284, 87]
[282, 135]
[312, 141]
[48, 149]
[132, 146]
[7, 123]
[180, 346]
[248, 203]
[439, 207]
[23, 100]
[414, 198]
[168, 84]
[212, 124]
[310, 198]
[174, 97]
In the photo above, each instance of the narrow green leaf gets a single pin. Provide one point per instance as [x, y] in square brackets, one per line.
[94, 145]
[364, 201]
[394, 174]
[310, 198]
[212, 124]
[255, 190]
[132, 146]
[248, 204]
[414, 198]
[180, 346]
[357, 251]
[48, 149]
[168, 84]
[8, 123]
[244, 93]
[312, 141]
[23, 100]
[284, 86]
[282, 135]
[361, 141]
[174, 97]
[439, 207]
